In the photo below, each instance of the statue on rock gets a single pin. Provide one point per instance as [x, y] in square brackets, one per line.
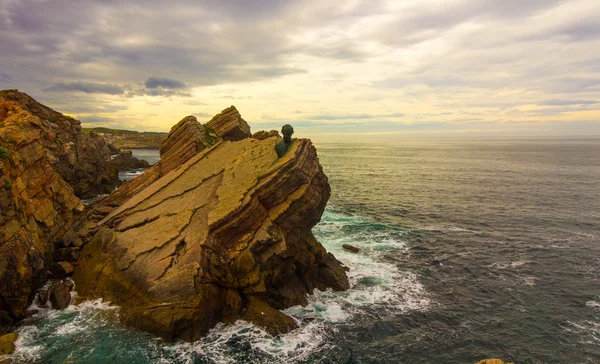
[282, 146]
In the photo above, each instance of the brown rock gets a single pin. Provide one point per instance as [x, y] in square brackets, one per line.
[7, 343]
[492, 361]
[36, 205]
[66, 254]
[184, 141]
[229, 125]
[350, 248]
[262, 135]
[60, 270]
[60, 296]
[225, 236]
[81, 159]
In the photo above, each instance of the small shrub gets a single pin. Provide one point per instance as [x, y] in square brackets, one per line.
[4, 153]
[7, 184]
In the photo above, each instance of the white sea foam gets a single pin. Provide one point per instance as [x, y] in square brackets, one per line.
[377, 288]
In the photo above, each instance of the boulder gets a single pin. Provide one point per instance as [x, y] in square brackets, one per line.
[60, 270]
[350, 248]
[229, 125]
[262, 135]
[60, 295]
[225, 236]
[7, 343]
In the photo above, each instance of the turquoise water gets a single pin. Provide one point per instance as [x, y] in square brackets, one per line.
[470, 249]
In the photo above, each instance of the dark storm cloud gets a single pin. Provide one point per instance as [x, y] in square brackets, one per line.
[167, 83]
[87, 87]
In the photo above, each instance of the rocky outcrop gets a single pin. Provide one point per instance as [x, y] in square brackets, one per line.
[37, 206]
[184, 141]
[262, 135]
[125, 160]
[225, 236]
[229, 125]
[81, 159]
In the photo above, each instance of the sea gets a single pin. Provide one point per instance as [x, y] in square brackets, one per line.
[469, 249]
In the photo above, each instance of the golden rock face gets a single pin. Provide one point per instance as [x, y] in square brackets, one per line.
[225, 236]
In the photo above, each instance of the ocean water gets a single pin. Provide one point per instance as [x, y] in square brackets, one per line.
[470, 249]
[149, 155]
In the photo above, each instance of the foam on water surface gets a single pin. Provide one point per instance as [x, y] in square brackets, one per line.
[90, 330]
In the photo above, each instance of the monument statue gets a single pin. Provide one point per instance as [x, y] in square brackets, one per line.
[282, 146]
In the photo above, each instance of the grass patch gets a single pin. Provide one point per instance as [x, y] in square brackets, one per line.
[4, 153]
[7, 184]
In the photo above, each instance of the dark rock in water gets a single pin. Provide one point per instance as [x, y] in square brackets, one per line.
[66, 254]
[7, 343]
[125, 161]
[224, 236]
[60, 270]
[60, 296]
[31, 312]
[350, 248]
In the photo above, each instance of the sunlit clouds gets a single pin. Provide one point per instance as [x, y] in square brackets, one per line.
[333, 69]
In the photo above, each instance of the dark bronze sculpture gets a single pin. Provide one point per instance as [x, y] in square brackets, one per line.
[282, 146]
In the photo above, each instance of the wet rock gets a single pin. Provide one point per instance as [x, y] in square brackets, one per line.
[7, 343]
[60, 296]
[60, 270]
[350, 248]
[225, 236]
[66, 254]
[70, 284]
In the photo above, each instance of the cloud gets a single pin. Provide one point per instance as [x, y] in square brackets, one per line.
[558, 102]
[353, 116]
[166, 83]
[87, 87]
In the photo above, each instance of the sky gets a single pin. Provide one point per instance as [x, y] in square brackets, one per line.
[352, 70]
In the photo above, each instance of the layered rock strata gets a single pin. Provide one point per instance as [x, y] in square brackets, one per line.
[225, 236]
[262, 135]
[229, 125]
[81, 159]
[37, 207]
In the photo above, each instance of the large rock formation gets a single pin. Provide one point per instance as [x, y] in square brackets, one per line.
[37, 206]
[229, 125]
[82, 159]
[225, 236]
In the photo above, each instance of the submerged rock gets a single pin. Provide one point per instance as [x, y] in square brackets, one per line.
[350, 248]
[7, 343]
[225, 236]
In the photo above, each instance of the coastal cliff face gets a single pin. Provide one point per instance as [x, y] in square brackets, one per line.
[81, 159]
[225, 236]
[37, 205]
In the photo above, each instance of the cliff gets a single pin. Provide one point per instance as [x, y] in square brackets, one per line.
[225, 236]
[81, 159]
[37, 205]
[129, 139]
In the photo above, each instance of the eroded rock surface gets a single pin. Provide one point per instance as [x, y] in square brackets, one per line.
[81, 159]
[229, 125]
[37, 207]
[225, 236]
[263, 134]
